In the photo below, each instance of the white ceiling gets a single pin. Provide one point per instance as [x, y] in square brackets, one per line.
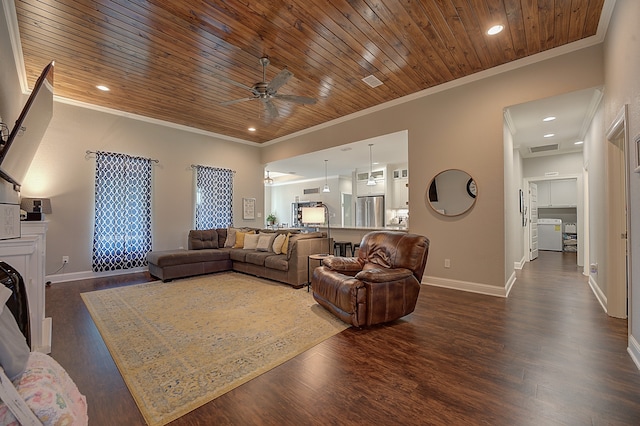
[573, 111]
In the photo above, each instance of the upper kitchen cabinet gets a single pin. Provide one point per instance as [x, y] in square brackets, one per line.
[378, 176]
[398, 194]
[557, 193]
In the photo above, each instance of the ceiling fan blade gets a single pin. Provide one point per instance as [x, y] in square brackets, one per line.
[235, 101]
[297, 99]
[272, 111]
[235, 83]
[279, 80]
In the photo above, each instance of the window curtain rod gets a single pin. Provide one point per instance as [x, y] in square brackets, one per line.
[150, 159]
[193, 166]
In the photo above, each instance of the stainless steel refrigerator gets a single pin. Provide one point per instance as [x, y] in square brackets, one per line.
[370, 211]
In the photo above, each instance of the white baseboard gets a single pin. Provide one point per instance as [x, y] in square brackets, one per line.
[602, 298]
[85, 275]
[634, 351]
[471, 287]
[519, 265]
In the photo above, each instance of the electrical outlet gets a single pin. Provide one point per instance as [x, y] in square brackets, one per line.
[447, 263]
[65, 259]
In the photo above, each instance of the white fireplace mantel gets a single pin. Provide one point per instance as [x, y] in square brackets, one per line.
[27, 255]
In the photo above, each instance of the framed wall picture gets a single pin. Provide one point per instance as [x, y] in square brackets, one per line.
[248, 208]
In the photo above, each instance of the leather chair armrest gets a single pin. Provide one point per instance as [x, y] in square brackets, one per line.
[383, 275]
[346, 265]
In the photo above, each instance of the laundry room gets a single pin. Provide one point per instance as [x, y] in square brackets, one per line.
[557, 215]
[558, 180]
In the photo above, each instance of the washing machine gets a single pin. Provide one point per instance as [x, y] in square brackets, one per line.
[550, 234]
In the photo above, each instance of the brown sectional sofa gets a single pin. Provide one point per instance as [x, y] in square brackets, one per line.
[207, 253]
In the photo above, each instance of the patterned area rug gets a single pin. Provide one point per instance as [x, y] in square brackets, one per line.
[181, 344]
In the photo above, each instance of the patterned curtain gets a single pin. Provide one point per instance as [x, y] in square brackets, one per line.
[214, 196]
[122, 231]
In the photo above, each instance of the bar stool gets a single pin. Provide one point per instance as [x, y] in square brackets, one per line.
[341, 247]
[356, 246]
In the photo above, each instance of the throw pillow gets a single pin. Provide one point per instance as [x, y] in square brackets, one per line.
[277, 243]
[265, 241]
[251, 241]
[285, 244]
[231, 237]
[240, 238]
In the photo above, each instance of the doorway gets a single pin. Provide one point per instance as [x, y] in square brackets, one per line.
[617, 219]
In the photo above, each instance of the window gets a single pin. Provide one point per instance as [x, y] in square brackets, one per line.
[122, 229]
[214, 197]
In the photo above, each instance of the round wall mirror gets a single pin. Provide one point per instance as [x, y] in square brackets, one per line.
[452, 192]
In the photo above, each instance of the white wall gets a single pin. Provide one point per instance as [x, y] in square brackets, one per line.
[622, 86]
[563, 164]
[594, 155]
[283, 195]
[514, 231]
[63, 172]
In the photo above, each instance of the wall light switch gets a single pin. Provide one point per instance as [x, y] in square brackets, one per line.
[447, 263]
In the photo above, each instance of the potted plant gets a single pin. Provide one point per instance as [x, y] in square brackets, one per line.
[271, 219]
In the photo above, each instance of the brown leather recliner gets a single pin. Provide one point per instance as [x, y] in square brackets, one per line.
[380, 285]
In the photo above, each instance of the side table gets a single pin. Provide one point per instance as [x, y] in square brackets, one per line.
[320, 258]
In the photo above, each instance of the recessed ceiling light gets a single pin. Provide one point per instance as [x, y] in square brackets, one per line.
[103, 88]
[550, 118]
[495, 29]
[578, 143]
[251, 129]
[549, 135]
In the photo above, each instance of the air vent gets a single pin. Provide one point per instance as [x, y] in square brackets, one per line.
[372, 81]
[311, 191]
[543, 148]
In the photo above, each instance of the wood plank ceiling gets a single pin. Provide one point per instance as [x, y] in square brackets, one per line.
[172, 60]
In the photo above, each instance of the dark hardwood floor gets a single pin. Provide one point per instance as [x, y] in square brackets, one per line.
[547, 355]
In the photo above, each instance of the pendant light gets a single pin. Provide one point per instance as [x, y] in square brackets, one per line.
[371, 181]
[268, 180]
[326, 183]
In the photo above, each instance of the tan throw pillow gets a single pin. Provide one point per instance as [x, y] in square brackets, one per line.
[240, 236]
[285, 245]
[264, 242]
[231, 237]
[251, 241]
[239, 240]
[277, 243]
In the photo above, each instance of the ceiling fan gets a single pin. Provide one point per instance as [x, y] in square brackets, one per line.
[267, 91]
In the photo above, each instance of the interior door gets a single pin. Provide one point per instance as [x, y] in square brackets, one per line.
[617, 224]
[533, 221]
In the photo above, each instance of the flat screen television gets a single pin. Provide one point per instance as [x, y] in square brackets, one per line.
[23, 141]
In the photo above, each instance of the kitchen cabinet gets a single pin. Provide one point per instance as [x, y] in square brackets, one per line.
[400, 195]
[557, 193]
